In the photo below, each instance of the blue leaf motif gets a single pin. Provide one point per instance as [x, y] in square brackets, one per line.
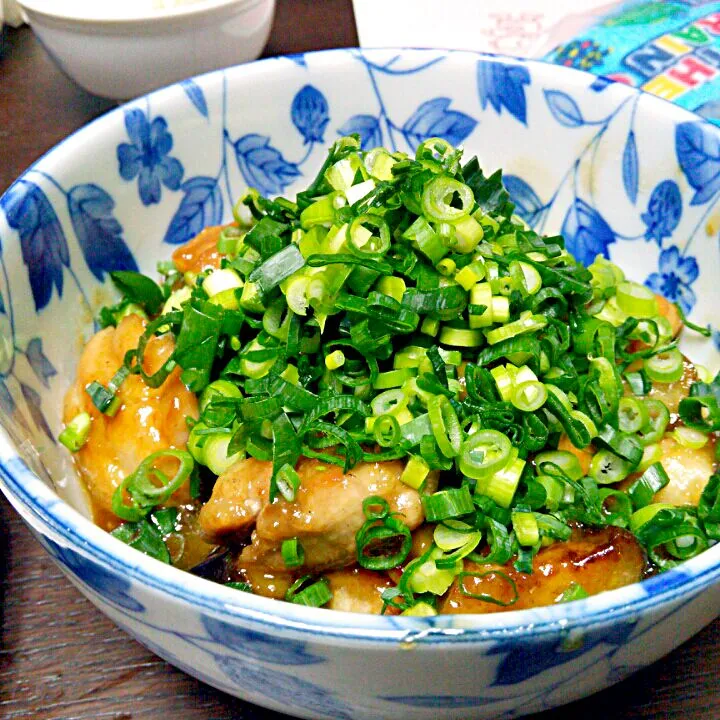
[113, 587]
[262, 166]
[99, 233]
[527, 204]
[564, 109]
[7, 401]
[630, 168]
[586, 232]
[298, 59]
[434, 119]
[664, 211]
[697, 146]
[530, 659]
[283, 687]
[195, 95]
[503, 85]
[44, 248]
[259, 645]
[310, 114]
[716, 339]
[34, 404]
[201, 206]
[367, 127]
[9, 406]
[2, 305]
[41, 366]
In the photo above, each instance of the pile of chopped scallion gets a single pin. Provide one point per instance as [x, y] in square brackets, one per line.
[398, 309]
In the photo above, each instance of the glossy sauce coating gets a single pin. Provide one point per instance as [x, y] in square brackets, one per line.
[598, 560]
[149, 419]
[200, 253]
[325, 516]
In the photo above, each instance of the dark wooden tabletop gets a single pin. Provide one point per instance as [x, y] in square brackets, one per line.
[59, 657]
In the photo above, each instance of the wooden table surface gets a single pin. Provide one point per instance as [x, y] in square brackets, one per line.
[59, 657]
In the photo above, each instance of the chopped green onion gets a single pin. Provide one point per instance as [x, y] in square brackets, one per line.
[526, 527]
[654, 430]
[383, 542]
[607, 468]
[575, 591]
[438, 195]
[632, 415]
[221, 280]
[644, 514]
[292, 553]
[643, 490]
[386, 430]
[102, 398]
[484, 596]
[76, 432]
[449, 503]
[420, 609]
[460, 337]
[690, 438]
[315, 595]
[635, 299]
[452, 534]
[215, 453]
[529, 396]
[423, 575]
[148, 486]
[139, 289]
[145, 537]
[335, 360]
[415, 472]
[526, 323]
[566, 461]
[483, 453]
[501, 486]
[665, 367]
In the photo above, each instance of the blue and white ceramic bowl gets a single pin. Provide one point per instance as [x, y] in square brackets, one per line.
[619, 173]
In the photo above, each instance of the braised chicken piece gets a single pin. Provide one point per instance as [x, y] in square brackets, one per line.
[672, 393]
[357, 590]
[200, 253]
[688, 470]
[149, 419]
[597, 560]
[325, 516]
[238, 496]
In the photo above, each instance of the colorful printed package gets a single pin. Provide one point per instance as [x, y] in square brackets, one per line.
[668, 48]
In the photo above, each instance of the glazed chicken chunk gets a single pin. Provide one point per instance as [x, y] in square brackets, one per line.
[149, 419]
[597, 560]
[325, 516]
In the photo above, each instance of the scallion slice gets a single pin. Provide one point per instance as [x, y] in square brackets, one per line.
[292, 553]
[75, 434]
[447, 504]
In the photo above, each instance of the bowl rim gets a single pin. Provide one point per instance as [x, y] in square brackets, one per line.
[74, 13]
[43, 510]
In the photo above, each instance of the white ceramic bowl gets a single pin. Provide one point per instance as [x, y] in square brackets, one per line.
[120, 50]
[619, 172]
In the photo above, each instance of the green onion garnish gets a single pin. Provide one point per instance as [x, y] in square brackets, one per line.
[76, 432]
[398, 309]
[292, 553]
